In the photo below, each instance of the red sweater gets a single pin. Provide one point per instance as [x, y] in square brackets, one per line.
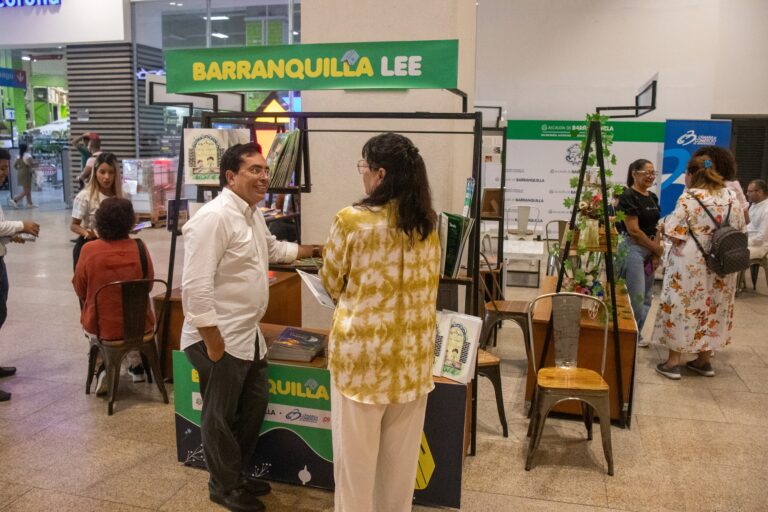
[103, 262]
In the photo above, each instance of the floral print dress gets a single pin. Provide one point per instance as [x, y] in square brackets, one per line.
[696, 307]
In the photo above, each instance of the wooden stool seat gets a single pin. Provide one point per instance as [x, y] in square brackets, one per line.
[580, 379]
[508, 307]
[489, 365]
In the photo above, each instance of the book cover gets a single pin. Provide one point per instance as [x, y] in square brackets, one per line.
[457, 231]
[296, 345]
[461, 345]
[442, 324]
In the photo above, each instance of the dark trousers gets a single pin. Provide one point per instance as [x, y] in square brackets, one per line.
[3, 291]
[235, 398]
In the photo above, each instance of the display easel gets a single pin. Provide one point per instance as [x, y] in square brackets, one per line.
[594, 135]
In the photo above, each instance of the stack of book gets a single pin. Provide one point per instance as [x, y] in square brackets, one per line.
[296, 345]
[283, 157]
[457, 337]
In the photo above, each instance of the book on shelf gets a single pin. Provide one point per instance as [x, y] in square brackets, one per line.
[457, 337]
[283, 157]
[296, 345]
[453, 231]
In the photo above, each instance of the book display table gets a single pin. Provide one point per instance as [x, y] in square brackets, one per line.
[590, 350]
[296, 443]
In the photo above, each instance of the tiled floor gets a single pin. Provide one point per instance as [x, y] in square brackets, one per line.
[696, 444]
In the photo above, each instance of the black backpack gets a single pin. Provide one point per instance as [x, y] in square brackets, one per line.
[729, 252]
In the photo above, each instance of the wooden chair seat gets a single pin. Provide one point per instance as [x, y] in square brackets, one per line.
[581, 379]
[485, 359]
[507, 307]
[148, 338]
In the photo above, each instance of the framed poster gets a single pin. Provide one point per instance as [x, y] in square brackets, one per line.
[203, 149]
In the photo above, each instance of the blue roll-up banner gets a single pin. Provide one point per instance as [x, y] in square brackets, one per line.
[682, 138]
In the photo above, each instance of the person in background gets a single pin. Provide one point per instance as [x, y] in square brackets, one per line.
[24, 171]
[641, 215]
[696, 305]
[9, 232]
[113, 257]
[225, 292]
[94, 147]
[82, 145]
[381, 265]
[757, 229]
[107, 183]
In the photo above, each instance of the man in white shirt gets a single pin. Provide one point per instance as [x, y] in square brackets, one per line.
[225, 292]
[757, 229]
[9, 231]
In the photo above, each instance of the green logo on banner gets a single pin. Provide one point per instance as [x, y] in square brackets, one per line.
[379, 65]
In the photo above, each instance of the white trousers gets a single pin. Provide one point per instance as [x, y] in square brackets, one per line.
[375, 453]
[757, 251]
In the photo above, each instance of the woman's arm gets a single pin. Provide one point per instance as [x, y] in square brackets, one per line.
[77, 229]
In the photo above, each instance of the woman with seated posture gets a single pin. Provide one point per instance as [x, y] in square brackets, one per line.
[112, 257]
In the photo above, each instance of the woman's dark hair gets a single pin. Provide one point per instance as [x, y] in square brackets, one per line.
[704, 173]
[725, 163]
[4, 154]
[405, 181]
[114, 218]
[635, 166]
[22, 149]
[233, 157]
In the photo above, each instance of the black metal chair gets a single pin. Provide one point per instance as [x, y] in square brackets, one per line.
[565, 380]
[135, 302]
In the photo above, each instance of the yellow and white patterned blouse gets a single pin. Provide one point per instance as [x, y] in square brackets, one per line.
[381, 344]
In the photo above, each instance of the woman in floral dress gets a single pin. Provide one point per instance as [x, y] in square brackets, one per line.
[696, 308]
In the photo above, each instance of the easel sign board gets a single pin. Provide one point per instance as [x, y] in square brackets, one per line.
[370, 65]
[295, 444]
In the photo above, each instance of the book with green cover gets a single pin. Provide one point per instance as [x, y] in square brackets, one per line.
[456, 229]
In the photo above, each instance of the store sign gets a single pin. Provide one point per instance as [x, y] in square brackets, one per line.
[379, 65]
[13, 77]
[28, 3]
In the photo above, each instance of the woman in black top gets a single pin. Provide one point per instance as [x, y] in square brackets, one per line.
[641, 214]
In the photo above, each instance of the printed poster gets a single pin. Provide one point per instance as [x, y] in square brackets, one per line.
[543, 155]
[203, 149]
[682, 139]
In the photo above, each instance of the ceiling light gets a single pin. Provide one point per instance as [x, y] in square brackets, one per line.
[217, 18]
[172, 3]
[295, 32]
[179, 4]
[219, 35]
[26, 57]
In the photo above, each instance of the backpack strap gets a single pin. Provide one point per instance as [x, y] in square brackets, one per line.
[142, 257]
[698, 244]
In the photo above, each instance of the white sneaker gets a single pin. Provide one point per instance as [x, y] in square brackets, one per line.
[12, 203]
[643, 343]
[101, 383]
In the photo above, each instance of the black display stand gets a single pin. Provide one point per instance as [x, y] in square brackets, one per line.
[594, 135]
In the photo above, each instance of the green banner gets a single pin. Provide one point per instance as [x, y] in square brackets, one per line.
[378, 65]
[623, 131]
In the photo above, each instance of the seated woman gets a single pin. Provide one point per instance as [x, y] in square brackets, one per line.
[112, 257]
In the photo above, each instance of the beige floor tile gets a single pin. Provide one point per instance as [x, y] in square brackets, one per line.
[739, 355]
[31, 395]
[691, 441]
[472, 501]
[677, 402]
[498, 468]
[755, 377]
[38, 500]
[743, 408]
[10, 492]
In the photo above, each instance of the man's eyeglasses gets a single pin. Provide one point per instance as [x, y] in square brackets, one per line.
[362, 165]
[258, 170]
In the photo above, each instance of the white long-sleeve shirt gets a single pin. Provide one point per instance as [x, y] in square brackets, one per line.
[757, 229]
[8, 228]
[225, 283]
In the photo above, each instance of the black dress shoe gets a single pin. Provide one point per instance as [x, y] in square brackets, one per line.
[4, 396]
[238, 500]
[255, 486]
[7, 371]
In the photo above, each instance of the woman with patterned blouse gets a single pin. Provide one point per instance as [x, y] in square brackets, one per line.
[381, 265]
[696, 309]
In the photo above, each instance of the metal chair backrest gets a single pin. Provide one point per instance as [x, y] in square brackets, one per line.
[562, 226]
[134, 303]
[523, 214]
[566, 327]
